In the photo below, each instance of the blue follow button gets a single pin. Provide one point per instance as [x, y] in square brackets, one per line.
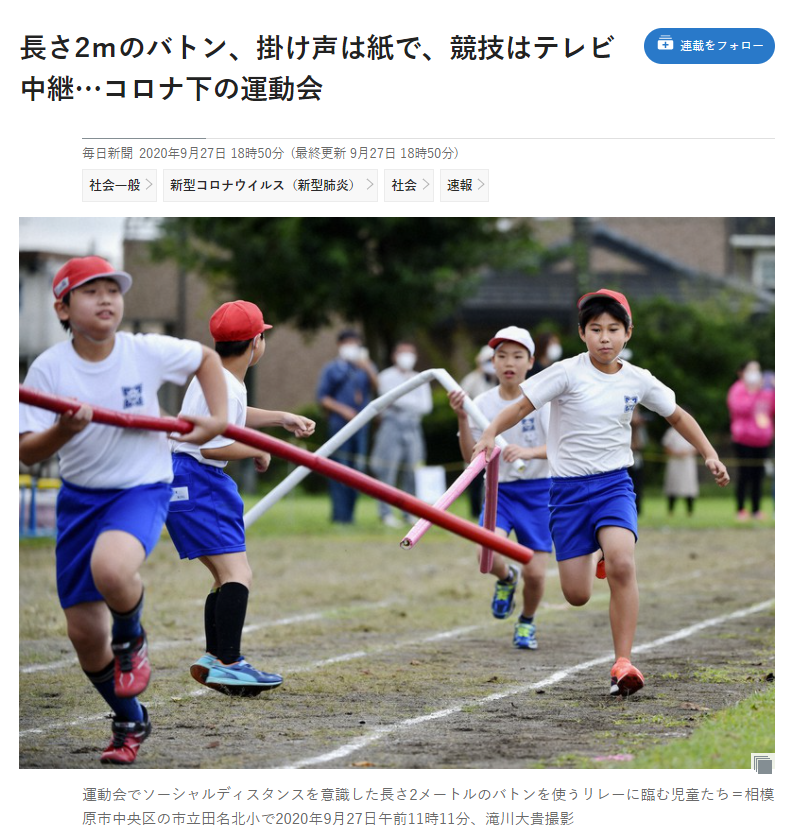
[700, 45]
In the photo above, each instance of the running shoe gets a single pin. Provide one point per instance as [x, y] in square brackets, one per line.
[199, 670]
[126, 740]
[601, 574]
[240, 679]
[132, 669]
[503, 600]
[625, 678]
[525, 636]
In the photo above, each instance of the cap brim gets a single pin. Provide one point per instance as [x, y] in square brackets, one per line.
[123, 280]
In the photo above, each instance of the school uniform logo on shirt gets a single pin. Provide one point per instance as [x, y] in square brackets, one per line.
[133, 396]
[529, 424]
[629, 403]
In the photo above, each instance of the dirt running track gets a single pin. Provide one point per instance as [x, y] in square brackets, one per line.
[393, 660]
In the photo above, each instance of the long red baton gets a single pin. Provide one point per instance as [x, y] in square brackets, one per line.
[327, 467]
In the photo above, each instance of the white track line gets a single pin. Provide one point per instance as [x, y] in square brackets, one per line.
[250, 628]
[372, 736]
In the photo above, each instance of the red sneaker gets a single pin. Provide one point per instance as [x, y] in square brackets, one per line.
[126, 741]
[625, 678]
[600, 572]
[132, 669]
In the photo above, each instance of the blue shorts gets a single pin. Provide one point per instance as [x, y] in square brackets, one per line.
[580, 506]
[84, 513]
[523, 507]
[205, 516]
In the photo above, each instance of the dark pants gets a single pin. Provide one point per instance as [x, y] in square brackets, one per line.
[351, 453]
[750, 478]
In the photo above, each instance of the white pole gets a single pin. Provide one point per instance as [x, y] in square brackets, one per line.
[371, 410]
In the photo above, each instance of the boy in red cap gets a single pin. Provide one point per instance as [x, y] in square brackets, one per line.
[116, 483]
[206, 513]
[592, 501]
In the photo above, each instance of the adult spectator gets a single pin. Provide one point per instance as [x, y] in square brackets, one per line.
[399, 446]
[344, 390]
[751, 404]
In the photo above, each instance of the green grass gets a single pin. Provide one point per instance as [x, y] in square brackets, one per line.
[724, 740]
[308, 514]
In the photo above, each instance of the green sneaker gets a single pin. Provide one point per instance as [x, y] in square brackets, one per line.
[503, 600]
[525, 636]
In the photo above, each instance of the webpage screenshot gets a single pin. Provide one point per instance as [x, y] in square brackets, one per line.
[396, 412]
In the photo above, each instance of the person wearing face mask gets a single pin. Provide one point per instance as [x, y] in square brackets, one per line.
[548, 351]
[751, 405]
[399, 446]
[344, 389]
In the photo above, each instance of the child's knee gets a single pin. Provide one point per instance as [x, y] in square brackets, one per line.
[576, 596]
[621, 570]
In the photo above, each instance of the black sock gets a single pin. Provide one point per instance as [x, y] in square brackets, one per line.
[230, 615]
[526, 619]
[210, 621]
[126, 625]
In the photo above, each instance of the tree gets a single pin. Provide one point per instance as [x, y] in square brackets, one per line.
[395, 275]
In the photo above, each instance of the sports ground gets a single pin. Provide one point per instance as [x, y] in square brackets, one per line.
[392, 659]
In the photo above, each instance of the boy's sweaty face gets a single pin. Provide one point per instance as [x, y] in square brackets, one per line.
[95, 309]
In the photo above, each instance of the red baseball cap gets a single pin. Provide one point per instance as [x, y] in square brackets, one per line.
[80, 270]
[607, 293]
[237, 320]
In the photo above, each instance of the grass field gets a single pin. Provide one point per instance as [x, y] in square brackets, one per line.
[392, 659]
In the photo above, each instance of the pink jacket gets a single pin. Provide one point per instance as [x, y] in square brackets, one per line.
[752, 415]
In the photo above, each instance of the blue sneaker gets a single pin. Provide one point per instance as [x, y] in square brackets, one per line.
[199, 670]
[525, 636]
[503, 600]
[240, 679]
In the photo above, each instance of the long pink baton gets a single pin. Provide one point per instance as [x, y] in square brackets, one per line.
[327, 467]
[490, 509]
[455, 491]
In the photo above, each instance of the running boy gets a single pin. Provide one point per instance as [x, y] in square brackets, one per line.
[592, 502]
[116, 483]
[205, 519]
[522, 493]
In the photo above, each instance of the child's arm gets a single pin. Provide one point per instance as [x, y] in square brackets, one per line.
[693, 433]
[212, 381]
[36, 446]
[513, 452]
[512, 415]
[237, 450]
[300, 426]
[466, 442]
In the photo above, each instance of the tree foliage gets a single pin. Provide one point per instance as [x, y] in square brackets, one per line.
[395, 275]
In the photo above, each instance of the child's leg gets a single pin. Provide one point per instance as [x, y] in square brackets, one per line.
[618, 545]
[233, 575]
[115, 566]
[534, 575]
[115, 563]
[88, 627]
[576, 577]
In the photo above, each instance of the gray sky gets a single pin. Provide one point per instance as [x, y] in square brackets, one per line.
[74, 235]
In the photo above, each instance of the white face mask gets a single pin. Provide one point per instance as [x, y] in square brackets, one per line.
[405, 360]
[554, 352]
[752, 378]
[350, 352]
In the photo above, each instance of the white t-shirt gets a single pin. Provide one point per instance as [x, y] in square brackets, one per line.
[416, 402]
[195, 404]
[102, 456]
[591, 413]
[529, 433]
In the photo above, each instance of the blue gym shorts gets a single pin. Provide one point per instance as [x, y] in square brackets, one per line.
[580, 506]
[84, 513]
[523, 507]
[205, 515]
